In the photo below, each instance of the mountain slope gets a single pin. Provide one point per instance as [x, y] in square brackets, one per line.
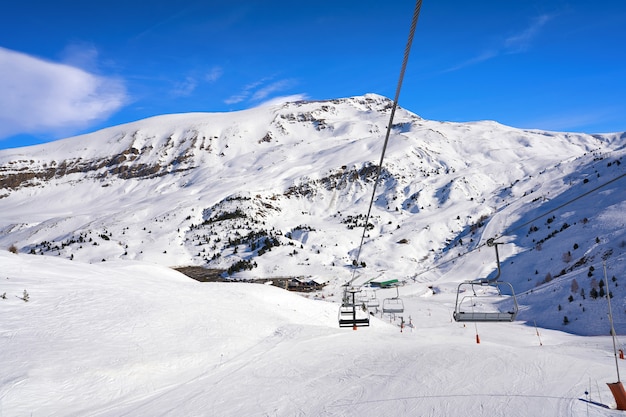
[283, 191]
[127, 338]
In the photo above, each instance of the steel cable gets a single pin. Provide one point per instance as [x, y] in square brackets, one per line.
[407, 50]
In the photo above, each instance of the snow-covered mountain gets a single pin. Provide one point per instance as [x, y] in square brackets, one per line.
[97, 323]
[283, 191]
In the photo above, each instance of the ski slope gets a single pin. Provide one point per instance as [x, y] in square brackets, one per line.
[128, 338]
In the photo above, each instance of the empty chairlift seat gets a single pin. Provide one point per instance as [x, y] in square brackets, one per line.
[486, 305]
[352, 313]
[393, 305]
[368, 297]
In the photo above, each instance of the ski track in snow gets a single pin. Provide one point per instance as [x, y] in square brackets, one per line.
[134, 339]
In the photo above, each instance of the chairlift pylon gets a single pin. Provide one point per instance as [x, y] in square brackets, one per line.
[393, 305]
[471, 308]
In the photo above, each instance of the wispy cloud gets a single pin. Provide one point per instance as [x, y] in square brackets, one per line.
[245, 92]
[214, 74]
[268, 90]
[486, 55]
[521, 41]
[578, 120]
[260, 90]
[284, 99]
[236, 98]
[81, 55]
[186, 87]
[41, 96]
[516, 43]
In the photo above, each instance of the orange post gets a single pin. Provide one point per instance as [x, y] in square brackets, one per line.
[617, 389]
[477, 338]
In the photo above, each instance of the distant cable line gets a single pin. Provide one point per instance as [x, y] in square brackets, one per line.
[593, 190]
[507, 232]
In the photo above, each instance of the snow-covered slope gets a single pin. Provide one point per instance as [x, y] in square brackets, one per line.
[283, 191]
[126, 338]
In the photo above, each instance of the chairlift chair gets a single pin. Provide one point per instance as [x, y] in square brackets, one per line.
[475, 307]
[393, 305]
[351, 313]
[369, 298]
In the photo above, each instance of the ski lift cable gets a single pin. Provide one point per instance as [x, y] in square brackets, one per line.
[407, 50]
[510, 231]
[416, 12]
[593, 190]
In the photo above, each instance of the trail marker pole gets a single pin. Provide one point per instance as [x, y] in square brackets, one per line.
[537, 331]
[617, 389]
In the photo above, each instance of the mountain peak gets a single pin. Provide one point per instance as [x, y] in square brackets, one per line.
[284, 190]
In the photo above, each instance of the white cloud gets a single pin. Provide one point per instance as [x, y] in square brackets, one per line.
[521, 41]
[185, 88]
[258, 90]
[484, 56]
[284, 99]
[263, 93]
[81, 55]
[234, 99]
[41, 96]
[214, 74]
[245, 92]
[516, 43]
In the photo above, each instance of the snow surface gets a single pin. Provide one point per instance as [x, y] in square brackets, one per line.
[302, 172]
[134, 339]
[131, 336]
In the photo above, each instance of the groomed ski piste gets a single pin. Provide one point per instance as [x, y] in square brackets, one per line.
[128, 338]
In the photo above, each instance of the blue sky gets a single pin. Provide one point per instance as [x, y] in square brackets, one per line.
[70, 67]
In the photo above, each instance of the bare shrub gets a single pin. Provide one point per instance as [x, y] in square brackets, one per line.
[567, 257]
[548, 278]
